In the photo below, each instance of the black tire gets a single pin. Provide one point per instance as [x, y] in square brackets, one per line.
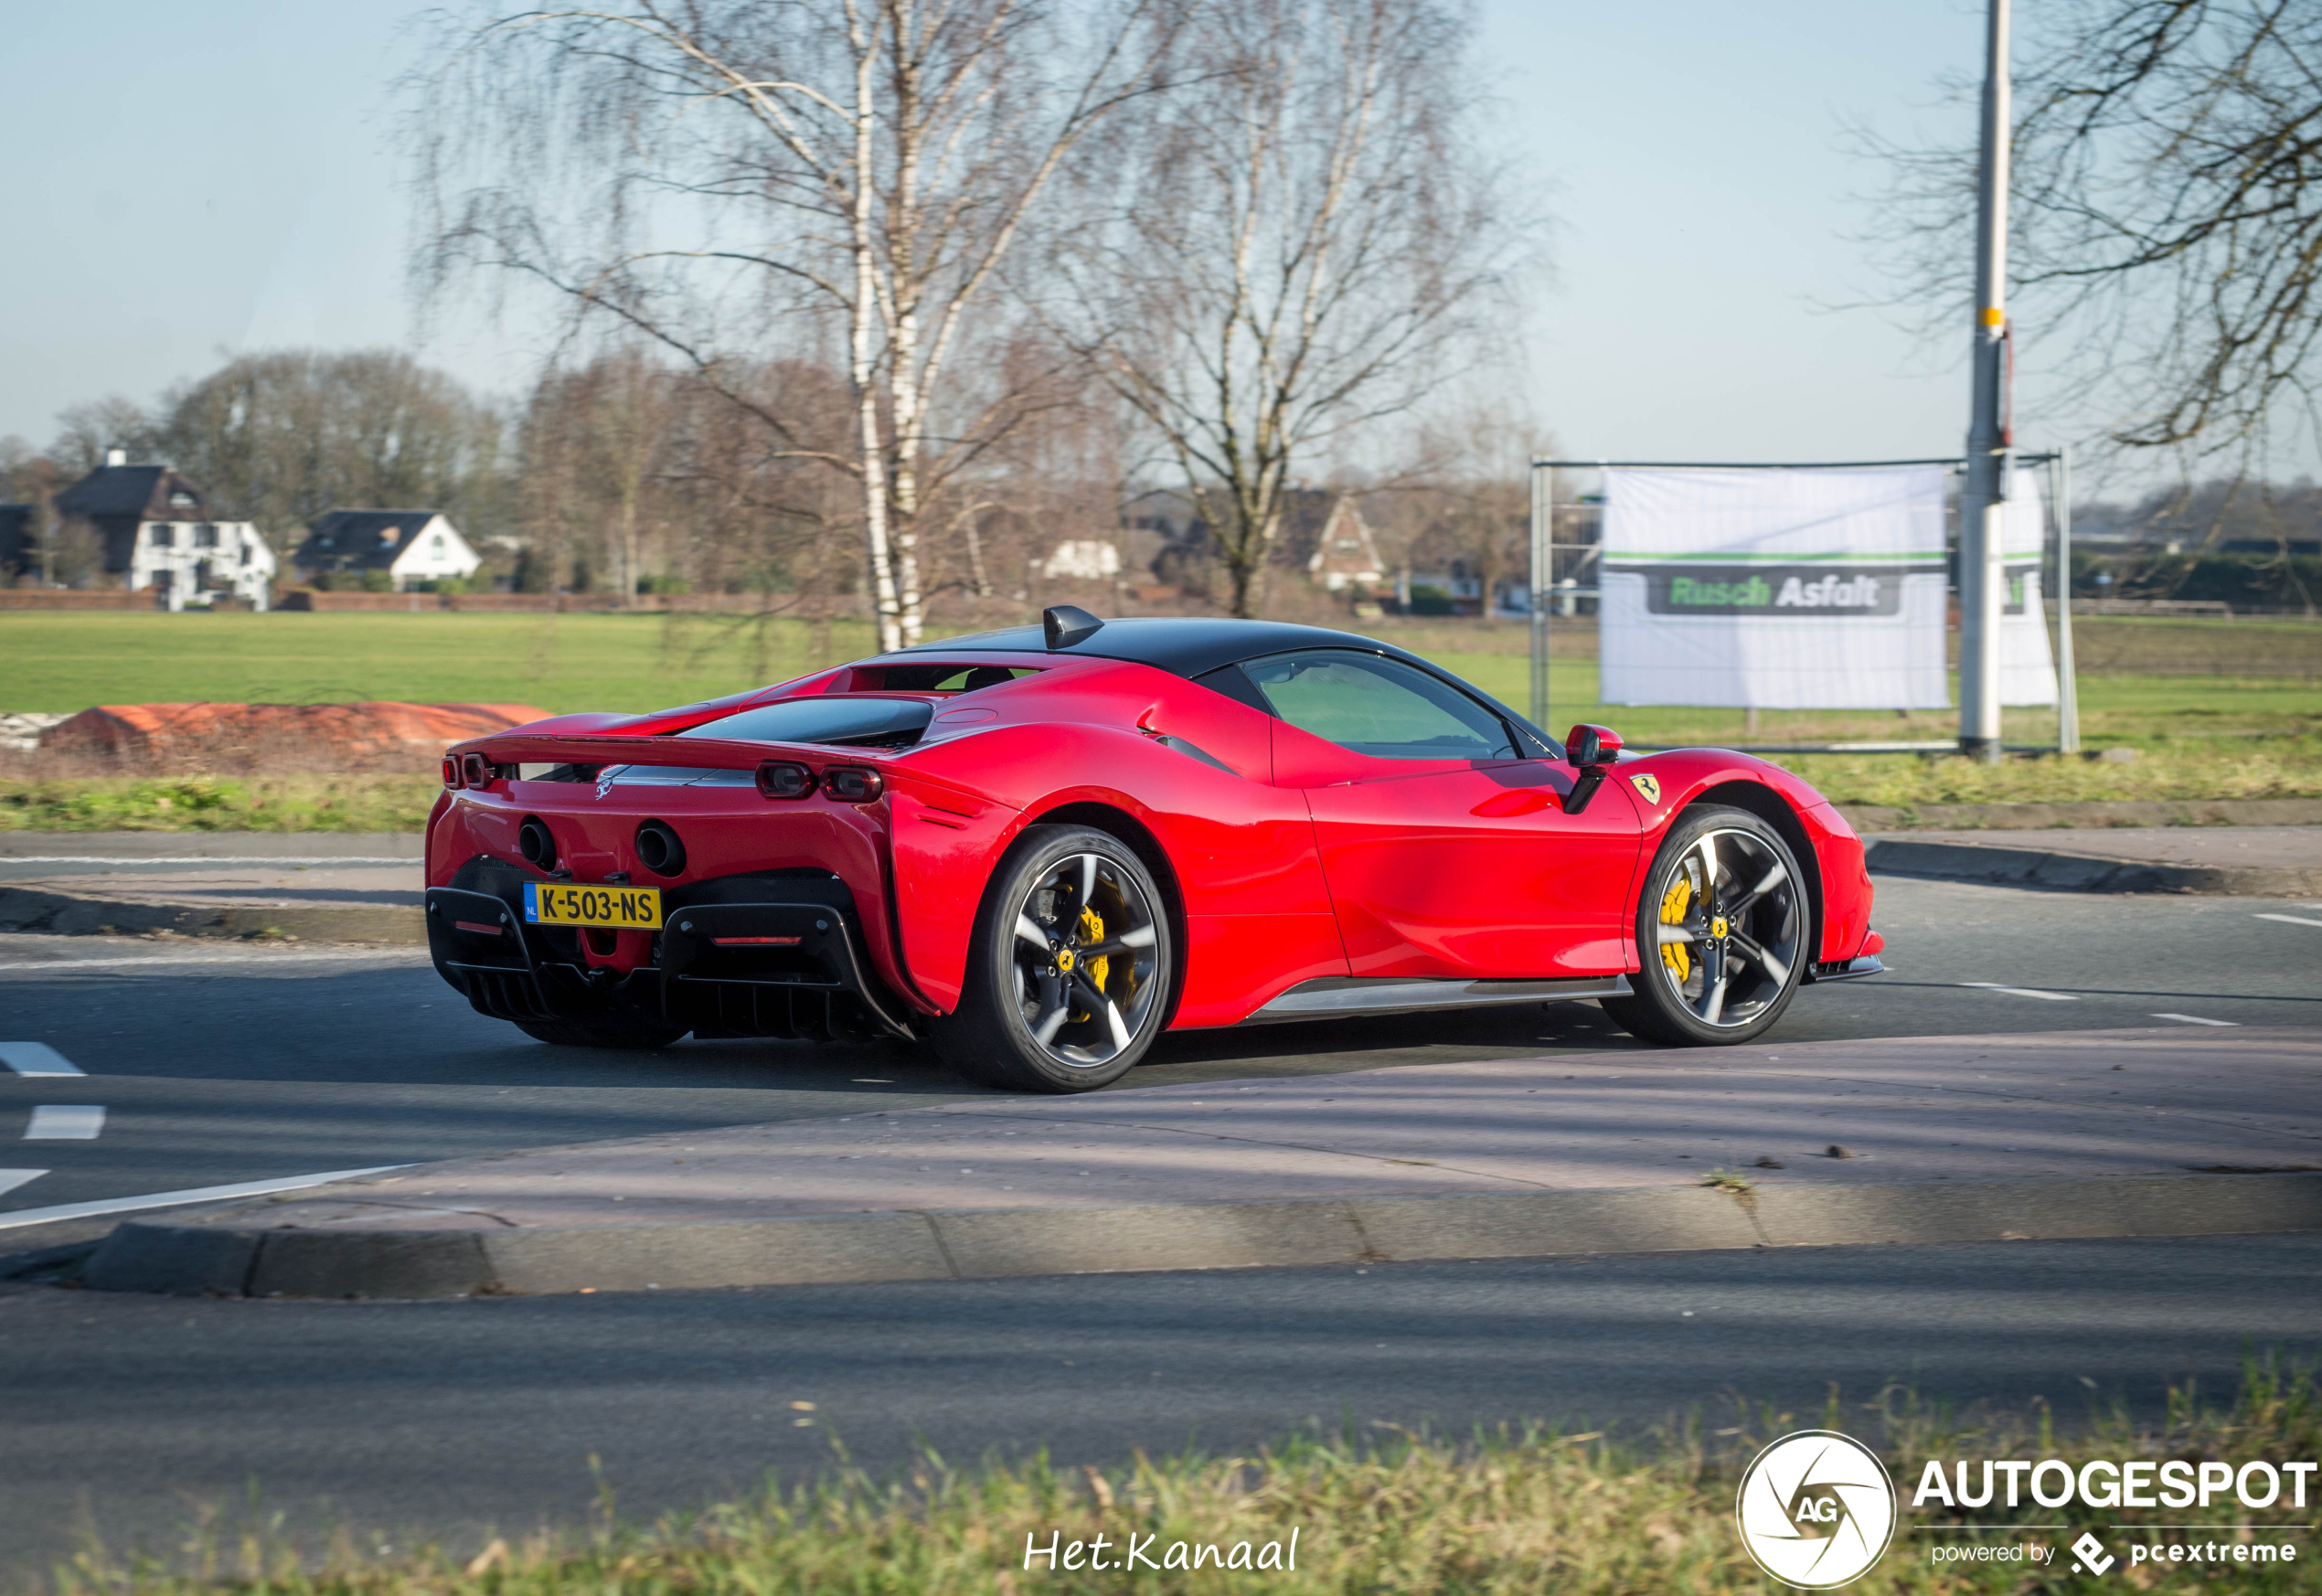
[611, 1031]
[1072, 917]
[1719, 965]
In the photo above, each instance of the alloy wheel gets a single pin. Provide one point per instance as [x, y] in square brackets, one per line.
[1729, 928]
[1085, 958]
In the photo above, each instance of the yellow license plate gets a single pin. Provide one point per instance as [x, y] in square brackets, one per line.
[620, 908]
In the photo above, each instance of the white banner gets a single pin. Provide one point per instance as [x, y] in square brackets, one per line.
[2027, 667]
[1819, 587]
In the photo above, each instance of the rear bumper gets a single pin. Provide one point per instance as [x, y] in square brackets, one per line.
[749, 956]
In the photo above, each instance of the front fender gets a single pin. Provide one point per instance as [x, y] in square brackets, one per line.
[1825, 845]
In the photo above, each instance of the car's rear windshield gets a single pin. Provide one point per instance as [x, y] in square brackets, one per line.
[846, 721]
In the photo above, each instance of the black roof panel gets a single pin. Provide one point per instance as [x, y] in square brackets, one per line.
[1183, 645]
[1193, 645]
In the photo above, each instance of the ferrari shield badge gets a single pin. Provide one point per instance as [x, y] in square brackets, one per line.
[1649, 786]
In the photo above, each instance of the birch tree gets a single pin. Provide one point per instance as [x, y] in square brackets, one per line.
[737, 178]
[1302, 241]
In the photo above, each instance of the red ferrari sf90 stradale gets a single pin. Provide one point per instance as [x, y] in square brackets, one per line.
[1039, 848]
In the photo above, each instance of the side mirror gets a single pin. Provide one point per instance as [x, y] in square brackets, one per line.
[1591, 745]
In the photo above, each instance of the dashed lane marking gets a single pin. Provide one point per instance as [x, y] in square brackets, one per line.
[2290, 919]
[66, 1123]
[36, 1058]
[124, 961]
[128, 865]
[12, 1178]
[170, 1199]
[2194, 1019]
[2022, 990]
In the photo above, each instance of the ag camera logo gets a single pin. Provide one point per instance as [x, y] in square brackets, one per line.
[1815, 1509]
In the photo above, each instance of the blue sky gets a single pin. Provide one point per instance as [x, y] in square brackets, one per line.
[193, 181]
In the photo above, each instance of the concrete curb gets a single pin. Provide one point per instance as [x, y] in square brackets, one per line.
[2020, 866]
[193, 1255]
[72, 914]
[2102, 813]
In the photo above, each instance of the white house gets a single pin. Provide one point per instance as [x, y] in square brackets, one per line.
[1088, 559]
[190, 562]
[411, 546]
[160, 536]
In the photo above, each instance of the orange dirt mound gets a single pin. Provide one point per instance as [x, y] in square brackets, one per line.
[338, 736]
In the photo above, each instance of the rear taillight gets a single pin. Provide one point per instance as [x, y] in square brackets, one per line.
[784, 779]
[476, 771]
[451, 771]
[853, 783]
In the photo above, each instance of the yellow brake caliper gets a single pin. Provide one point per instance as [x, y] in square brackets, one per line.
[1092, 926]
[1676, 956]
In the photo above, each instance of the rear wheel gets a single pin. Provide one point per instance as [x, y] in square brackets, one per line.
[611, 1031]
[1067, 969]
[1720, 928]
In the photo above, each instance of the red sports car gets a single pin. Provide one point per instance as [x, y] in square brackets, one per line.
[1039, 848]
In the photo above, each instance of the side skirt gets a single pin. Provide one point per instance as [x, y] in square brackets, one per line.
[1340, 995]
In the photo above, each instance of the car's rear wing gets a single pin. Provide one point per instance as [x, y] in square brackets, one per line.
[518, 748]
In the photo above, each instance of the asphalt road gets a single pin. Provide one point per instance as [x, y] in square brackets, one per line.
[219, 1065]
[223, 1064]
[136, 1415]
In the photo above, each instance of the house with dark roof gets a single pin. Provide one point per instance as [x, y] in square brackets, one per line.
[411, 546]
[19, 554]
[1322, 533]
[158, 534]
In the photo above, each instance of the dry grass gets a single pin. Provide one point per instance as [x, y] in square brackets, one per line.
[1521, 1511]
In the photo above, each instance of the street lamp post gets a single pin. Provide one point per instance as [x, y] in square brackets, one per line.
[1982, 577]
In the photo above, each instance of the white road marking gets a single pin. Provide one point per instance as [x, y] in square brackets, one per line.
[66, 1123]
[36, 1058]
[123, 961]
[12, 1178]
[2290, 919]
[170, 1199]
[2194, 1019]
[2022, 991]
[7, 859]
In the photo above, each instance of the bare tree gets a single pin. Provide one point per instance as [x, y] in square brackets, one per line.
[84, 431]
[283, 436]
[2167, 208]
[737, 178]
[1470, 492]
[1298, 245]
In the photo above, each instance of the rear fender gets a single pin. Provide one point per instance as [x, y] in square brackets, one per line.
[1237, 853]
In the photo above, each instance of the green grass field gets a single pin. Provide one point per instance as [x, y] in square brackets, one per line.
[2204, 734]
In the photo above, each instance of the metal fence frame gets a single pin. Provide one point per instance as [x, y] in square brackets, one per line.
[1544, 549]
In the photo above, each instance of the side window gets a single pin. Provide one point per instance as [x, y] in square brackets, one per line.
[1378, 706]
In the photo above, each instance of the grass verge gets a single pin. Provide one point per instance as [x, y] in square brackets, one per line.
[345, 803]
[1520, 1511]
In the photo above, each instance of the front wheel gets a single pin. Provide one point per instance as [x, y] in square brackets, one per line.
[1067, 970]
[1721, 927]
